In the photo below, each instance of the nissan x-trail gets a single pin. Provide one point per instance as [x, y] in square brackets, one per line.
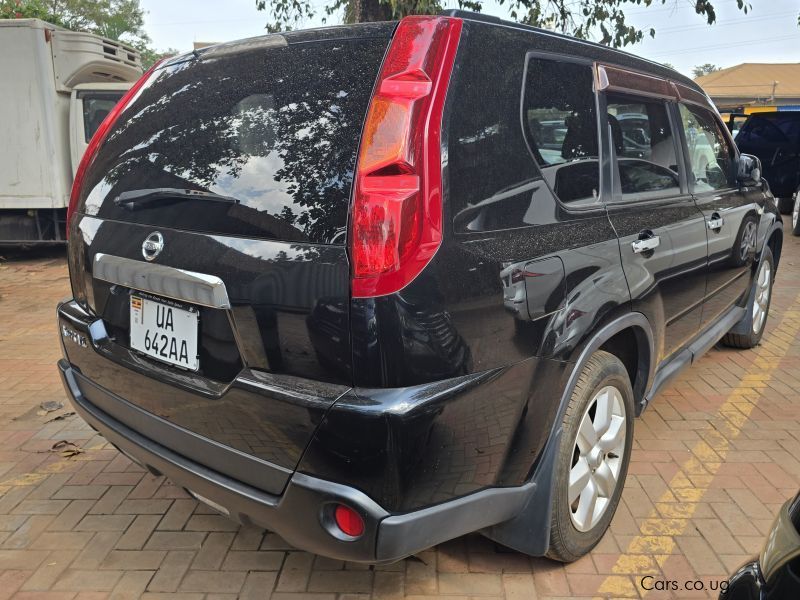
[373, 287]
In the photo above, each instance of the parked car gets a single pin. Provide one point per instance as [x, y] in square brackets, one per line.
[775, 574]
[334, 285]
[774, 137]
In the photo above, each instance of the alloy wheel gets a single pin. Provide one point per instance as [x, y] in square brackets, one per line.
[763, 285]
[795, 210]
[748, 242]
[597, 458]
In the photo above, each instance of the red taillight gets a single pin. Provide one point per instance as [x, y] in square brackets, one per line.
[396, 222]
[348, 520]
[98, 138]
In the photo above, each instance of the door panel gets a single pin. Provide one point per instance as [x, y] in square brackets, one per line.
[667, 282]
[661, 231]
[731, 214]
[732, 222]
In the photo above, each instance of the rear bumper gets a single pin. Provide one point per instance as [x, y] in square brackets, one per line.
[302, 512]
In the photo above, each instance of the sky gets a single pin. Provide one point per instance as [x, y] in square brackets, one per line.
[768, 33]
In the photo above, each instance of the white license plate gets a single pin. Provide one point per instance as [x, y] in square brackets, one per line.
[165, 332]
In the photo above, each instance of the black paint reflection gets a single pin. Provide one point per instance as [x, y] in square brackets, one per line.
[276, 128]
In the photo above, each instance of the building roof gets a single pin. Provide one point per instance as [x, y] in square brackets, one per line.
[753, 80]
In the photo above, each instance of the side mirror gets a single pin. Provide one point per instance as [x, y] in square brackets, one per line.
[749, 172]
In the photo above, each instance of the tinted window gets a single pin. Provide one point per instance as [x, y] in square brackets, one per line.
[276, 129]
[560, 117]
[710, 155]
[771, 128]
[644, 145]
[96, 106]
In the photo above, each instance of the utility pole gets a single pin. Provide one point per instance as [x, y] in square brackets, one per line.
[774, 87]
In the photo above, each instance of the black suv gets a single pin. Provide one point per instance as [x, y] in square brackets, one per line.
[774, 137]
[377, 286]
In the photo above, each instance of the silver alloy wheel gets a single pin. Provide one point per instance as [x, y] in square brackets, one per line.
[795, 210]
[763, 285]
[597, 458]
[748, 242]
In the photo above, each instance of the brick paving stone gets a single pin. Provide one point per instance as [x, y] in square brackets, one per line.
[171, 572]
[714, 457]
[213, 581]
[258, 585]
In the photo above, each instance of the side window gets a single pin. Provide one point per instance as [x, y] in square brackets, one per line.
[710, 155]
[96, 107]
[644, 145]
[560, 116]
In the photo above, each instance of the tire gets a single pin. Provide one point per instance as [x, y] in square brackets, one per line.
[796, 213]
[576, 527]
[755, 320]
[784, 205]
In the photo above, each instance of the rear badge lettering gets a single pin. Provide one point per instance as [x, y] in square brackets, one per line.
[74, 336]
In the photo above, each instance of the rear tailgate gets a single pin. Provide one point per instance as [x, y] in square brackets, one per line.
[221, 197]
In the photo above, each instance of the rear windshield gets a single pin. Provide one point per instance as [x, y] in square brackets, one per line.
[771, 128]
[259, 143]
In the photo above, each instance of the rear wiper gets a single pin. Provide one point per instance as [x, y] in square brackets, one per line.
[134, 199]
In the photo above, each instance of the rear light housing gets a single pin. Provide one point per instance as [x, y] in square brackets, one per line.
[396, 219]
[99, 137]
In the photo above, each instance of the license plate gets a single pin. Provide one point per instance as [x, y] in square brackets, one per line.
[165, 331]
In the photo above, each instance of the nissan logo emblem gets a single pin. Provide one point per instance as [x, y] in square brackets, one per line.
[153, 245]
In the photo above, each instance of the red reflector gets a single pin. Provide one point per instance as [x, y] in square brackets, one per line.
[396, 221]
[98, 138]
[348, 520]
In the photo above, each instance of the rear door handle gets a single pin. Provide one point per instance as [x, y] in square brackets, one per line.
[715, 222]
[646, 245]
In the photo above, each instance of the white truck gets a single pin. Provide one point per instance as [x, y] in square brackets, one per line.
[56, 86]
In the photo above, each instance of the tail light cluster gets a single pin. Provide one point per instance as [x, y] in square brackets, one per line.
[396, 221]
[99, 137]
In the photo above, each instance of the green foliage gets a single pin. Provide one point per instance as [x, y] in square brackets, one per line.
[600, 20]
[23, 9]
[705, 69]
[116, 19]
[121, 20]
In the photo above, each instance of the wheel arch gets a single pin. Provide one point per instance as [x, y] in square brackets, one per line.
[529, 531]
[775, 244]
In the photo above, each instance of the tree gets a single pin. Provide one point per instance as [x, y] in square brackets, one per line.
[705, 69]
[121, 20]
[603, 20]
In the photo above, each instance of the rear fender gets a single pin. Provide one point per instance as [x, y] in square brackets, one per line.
[529, 531]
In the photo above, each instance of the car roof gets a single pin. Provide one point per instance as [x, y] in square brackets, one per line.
[605, 54]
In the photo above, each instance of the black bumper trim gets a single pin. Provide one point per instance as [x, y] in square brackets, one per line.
[251, 470]
[296, 515]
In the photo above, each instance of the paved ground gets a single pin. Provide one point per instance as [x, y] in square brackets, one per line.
[715, 456]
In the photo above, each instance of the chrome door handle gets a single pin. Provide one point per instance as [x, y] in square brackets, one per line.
[646, 245]
[715, 223]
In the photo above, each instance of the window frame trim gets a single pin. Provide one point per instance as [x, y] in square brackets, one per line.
[617, 198]
[726, 136]
[604, 187]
